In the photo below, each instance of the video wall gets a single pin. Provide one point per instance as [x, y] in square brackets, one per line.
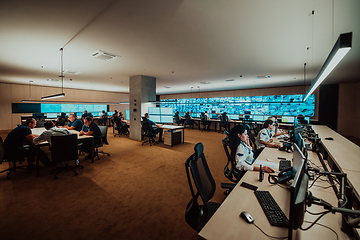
[280, 105]
[58, 108]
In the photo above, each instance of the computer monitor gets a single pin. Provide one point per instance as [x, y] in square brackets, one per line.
[287, 119]
[38, 116]
[110, 114]
[298, 192]
[166, 119]
[155, 118]
[233, 116]
[95, 114]
[214, 116]
[51, 115]
[258, 118]
[153, 110]
[127, 114]
[182, 114]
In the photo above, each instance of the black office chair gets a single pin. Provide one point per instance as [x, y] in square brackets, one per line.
[14, 160]
[58, 153]
[103, 140]
[230, 170]
[205, 122]
[224, 122]
[178, 120]
[103, 120]
[149, 132]
[188, 121]
[252, 140]
[197, 215]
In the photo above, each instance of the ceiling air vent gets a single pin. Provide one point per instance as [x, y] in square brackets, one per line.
[72, 72]
[104, 55]
[230, 80]
[262, 77]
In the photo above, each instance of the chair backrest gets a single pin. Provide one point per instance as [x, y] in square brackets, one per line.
[201, 175]
[64, 148]
[223, 119]
[251, 136]
[2, 151]
[148, 129]
[104, 130]
[230, 170]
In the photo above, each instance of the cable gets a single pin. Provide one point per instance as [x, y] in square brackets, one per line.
[323, 214]
[269, 235]
[337, 236]
[316, 213]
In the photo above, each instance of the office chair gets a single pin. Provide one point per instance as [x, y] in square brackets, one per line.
[252, 140]
[230, 170]
[103, 140]
[224, 122]
[58, 144]
[188, 121]
[13, 161]
[149, 132]
[205, 122]
[178, 120]
[103, 120]
[197, 215]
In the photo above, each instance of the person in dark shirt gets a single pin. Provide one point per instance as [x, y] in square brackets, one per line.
[86, 114]
[16, 139]
[121, 125]
[75, 124]
[157, 127]
[90, 128]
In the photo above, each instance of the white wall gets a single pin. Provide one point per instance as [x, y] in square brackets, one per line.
[15, 93]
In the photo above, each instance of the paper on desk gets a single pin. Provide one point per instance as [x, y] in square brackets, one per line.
[267, 163]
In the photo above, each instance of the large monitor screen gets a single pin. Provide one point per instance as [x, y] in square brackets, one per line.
[166, 111]
[127, 114]
[155, 118]
[153, 110]
[166, 119]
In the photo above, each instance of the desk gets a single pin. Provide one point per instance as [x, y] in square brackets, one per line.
[82, 138]
[173, 127]
[226, 223]
[344, 154]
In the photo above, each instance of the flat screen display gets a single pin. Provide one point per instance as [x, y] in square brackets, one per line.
[51, 115]
[154, 110]
[155, 118]
[127, 114]
[166, 119]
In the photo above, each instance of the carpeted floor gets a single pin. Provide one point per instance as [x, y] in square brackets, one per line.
[139, 192]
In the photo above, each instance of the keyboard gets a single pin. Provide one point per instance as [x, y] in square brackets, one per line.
[283, 164]
[273, 212]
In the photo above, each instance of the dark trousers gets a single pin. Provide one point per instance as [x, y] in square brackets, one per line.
[160, 131]
[207, 124]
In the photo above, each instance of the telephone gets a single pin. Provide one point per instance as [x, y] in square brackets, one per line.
[286, 175]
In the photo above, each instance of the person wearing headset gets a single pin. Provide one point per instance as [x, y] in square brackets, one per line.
[244, 154]
[264, 138]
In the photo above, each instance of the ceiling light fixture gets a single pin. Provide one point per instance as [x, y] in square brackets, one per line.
[340, 49]
[62, 94]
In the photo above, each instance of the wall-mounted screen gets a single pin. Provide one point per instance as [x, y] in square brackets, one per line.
[166, 119]
[51, 115]
[155, 118]
[154, 110]
[127, 114]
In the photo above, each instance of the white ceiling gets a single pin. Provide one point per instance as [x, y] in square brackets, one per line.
[180, 42]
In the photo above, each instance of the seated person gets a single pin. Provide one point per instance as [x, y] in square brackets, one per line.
[189, 120]
[90, 128]
[244, 155]
[121, 125]
[51, 130]
[206, 120]
[103, 113]
[75, 124]
[225, 121]
[264, 137]
[16, 139]
[86, 114]
[276, 130]
[178, 120]
[103, 118]
[157, 127]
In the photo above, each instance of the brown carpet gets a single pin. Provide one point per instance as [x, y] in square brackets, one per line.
[139, 192]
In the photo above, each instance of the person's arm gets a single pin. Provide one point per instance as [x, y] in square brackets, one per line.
[40, 138]
[31, 137]
[268, 143]
[241, 155]
[264, 168]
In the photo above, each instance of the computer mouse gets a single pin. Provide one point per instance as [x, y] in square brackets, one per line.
[248, 218]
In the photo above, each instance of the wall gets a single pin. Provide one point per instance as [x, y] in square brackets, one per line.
[15, 93]
[247, 92]
[349, 109]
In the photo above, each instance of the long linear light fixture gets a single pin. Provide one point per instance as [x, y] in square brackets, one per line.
[67, 101]
[340, 49]
[62, 94]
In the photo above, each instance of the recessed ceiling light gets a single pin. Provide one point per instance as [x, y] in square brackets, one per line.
[205, 82]
[71, 72]
[166, 86]
[230, 80]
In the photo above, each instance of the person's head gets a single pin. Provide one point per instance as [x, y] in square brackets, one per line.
[242, 133]
[72, 117]
[103, 111]
[117, 114]
[268, 124]
[205, 111]
[30, 122]
[87, 121]
[146, 115]
[48, 125]
[115, 111]
[85, 111]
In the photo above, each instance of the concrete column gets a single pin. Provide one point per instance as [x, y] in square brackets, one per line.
[142, 90]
